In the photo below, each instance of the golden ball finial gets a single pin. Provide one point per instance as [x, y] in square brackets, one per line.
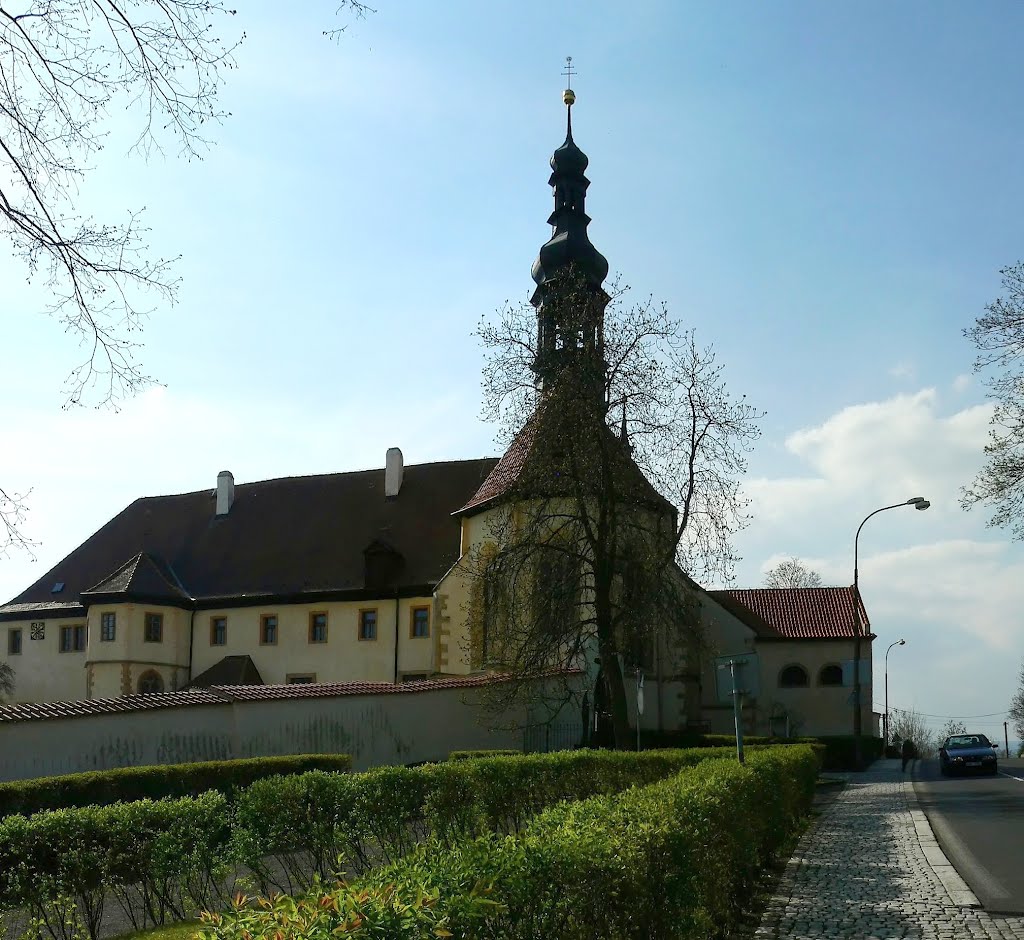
[569, 97]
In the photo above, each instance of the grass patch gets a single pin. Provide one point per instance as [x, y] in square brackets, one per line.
[186, 930]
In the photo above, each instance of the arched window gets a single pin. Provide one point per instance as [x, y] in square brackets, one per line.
[793, 677]
[830, 675]
[150, 682]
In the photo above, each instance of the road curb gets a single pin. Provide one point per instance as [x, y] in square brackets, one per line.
[957, 889]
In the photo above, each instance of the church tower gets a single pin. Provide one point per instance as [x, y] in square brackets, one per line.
[569, 273]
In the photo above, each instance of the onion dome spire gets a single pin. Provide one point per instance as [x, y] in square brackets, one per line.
[569, 242]
[569, 270]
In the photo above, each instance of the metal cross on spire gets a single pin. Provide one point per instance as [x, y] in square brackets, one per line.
[568, 96]
[568, 71]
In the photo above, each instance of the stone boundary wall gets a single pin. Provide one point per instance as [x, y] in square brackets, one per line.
[375, 729]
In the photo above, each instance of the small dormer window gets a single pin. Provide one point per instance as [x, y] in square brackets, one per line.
[57, 588]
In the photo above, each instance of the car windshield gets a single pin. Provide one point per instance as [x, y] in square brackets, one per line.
[967, 740]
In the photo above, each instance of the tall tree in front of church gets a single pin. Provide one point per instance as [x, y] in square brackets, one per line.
[622, 471]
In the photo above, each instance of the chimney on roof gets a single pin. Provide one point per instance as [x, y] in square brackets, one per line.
[394, 469]
[225, 492]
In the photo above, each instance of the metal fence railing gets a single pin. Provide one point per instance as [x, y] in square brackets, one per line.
[558, 736]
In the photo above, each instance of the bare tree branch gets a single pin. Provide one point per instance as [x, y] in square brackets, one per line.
[998, 335]
[12, 520]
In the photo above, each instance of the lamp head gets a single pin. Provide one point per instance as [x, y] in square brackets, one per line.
[903, 643]
[918, 502]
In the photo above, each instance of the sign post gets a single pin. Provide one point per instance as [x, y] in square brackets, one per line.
[737, 710]
[743, 680]
[639, 703]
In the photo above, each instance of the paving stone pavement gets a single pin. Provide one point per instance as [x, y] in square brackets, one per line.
[869, 869]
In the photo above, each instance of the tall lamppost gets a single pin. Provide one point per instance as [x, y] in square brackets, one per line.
[918, 502]
[885, 722]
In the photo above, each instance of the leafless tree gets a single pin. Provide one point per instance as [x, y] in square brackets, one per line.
[1016, 712]
[953, 726]
[907, 724]
[6, 681]
[12, 518]
[792, 573]
[64, 64]
[998, 335]
[630, 477]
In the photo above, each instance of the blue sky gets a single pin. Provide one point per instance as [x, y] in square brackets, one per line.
[825, 191]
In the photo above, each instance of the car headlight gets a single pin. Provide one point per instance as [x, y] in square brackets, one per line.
[989, 757]
[958, 760]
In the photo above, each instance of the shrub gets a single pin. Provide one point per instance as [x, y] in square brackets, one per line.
[102, 787]
[156, 859]
[495, 752]
[677, 858]
[840, 751]
[501, 794]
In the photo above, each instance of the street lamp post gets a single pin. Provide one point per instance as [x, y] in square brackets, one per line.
[885, 722]
[918, 502]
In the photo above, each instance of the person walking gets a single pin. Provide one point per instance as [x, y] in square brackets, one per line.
[907, 752]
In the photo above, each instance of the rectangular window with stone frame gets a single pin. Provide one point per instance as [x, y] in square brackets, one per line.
[268, 630]
[218, 631]
[108, 627]
[14, 641]
[368, 624]
[72, 638]
[419, 623]
[153, 628]
[318, 627]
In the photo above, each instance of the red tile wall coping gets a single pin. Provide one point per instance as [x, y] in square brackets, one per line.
[221, 694]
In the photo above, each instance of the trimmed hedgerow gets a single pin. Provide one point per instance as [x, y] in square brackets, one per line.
[157, 860]
[501, 794]
[102, 787]
[840, 751]
[494, 752]
[290, 829]
[676, 859]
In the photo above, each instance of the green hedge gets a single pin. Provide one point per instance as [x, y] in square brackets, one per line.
[290, 829]
[162, 859]
[840, 751]
[159, 861]
[470, 755]
[102, 787]
[678, 858]
[838, 748]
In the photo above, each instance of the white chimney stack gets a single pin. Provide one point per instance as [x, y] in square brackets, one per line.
[225, 492]
[394, 469]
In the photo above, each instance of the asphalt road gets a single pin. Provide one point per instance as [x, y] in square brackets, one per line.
[979, 822]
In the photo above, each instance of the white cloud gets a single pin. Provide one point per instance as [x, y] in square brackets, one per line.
[877, 453]
[952, 588]
[962, 382]
[903, 370]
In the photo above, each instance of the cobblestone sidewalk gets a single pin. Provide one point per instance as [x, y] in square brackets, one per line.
[869, 869]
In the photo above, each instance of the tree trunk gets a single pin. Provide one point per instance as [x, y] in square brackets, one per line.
[624, 739]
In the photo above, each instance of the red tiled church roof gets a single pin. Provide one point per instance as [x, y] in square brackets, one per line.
[818, 613]
[506, 471]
